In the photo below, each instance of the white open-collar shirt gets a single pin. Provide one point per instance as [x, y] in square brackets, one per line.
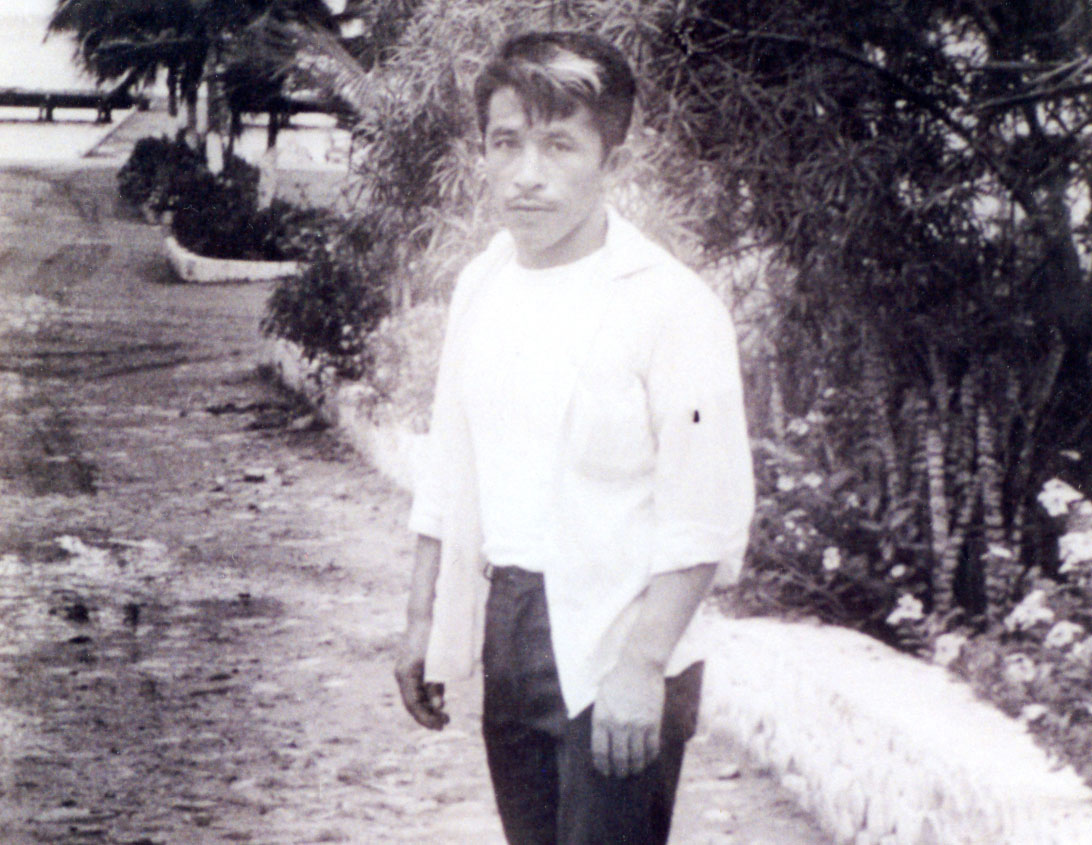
[653, 467]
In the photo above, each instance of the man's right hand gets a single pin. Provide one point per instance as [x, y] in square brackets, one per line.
[424, 701]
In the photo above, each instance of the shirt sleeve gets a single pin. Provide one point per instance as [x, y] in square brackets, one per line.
[431, 486]
[704, 486]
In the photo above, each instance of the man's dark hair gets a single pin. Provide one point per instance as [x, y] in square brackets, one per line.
[554, 72]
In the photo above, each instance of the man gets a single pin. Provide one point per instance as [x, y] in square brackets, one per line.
[588, 469]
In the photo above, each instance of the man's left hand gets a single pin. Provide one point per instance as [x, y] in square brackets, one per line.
[626, 718]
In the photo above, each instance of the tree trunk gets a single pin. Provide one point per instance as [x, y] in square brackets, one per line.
[999, 562]
[272, 128]
[945, 561]
[876, 390]
[172, 90]
[190, 98]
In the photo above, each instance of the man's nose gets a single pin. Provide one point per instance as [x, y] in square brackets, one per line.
[528, 170]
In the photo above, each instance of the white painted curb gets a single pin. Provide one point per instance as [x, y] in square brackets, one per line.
[393, 451]
[201, 269]
[882, 748]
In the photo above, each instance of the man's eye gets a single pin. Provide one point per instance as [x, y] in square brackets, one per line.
[503, 143]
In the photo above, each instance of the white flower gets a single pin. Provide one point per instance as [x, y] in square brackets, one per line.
[1032, 713]
[1082, 652]
[785, 483]
[832, 559]
[1070, 454]
[816, 417]
[798, 427]
[947, 648]
[897, 571]
[813, 480]
[1019, 669]
[1056, 497]
[1030, 612]
[908, 609]
[1074, 549]
[853, 500]
[1063, 634]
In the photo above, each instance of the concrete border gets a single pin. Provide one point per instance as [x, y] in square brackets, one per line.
[882, 748]
[201, 269]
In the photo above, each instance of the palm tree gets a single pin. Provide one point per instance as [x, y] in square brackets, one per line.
[132, 40]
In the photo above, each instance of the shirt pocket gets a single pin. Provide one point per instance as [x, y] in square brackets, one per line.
[610, 432]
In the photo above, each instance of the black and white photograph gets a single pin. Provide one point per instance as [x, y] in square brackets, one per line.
[545, 422]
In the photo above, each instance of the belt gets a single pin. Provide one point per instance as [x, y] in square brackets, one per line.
[509, 573]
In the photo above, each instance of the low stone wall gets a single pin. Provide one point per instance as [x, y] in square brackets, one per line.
[201, 269]
[881, 748]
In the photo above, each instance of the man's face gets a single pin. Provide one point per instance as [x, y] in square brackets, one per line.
[547, 181]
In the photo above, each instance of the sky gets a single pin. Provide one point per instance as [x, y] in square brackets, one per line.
[28, 62]
[27, 7]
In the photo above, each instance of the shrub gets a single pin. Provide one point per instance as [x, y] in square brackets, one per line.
[404, 351]
[819, 547]
[217, 218]
[137, 178]
[157, 171]
[217, 215]
[339, 296]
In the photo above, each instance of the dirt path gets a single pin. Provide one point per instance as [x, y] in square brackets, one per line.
[199, 593]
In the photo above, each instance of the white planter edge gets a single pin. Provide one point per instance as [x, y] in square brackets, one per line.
[201, 269]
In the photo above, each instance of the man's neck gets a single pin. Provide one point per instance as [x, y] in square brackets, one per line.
[578, 244]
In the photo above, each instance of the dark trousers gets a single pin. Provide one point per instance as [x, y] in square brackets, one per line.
[547, 790]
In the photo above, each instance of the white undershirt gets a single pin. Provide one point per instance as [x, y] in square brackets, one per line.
[516, 381]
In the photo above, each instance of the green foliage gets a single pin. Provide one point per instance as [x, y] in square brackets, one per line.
[340, 295]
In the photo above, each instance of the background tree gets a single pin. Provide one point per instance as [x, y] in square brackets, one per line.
[132, 40]
[922, 171]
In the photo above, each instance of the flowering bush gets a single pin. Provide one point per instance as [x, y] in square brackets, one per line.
[1036, 664]
[1040, 670]
[821, 546]
[817, 548]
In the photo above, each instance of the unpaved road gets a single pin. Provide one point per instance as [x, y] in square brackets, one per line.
[199, 594]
